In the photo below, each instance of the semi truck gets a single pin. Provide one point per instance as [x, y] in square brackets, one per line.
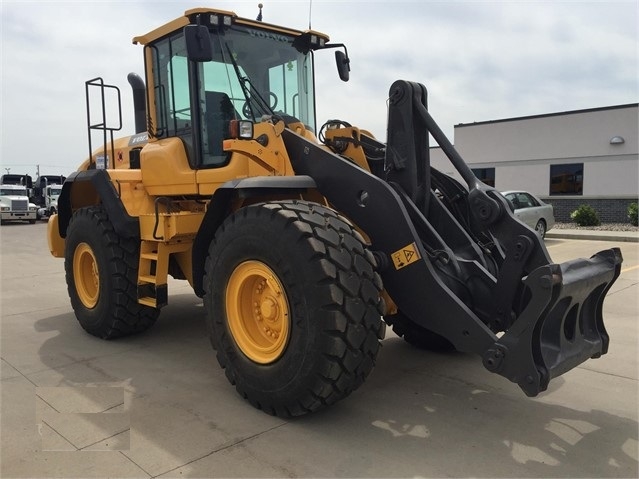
[45, 192]
[14, 200]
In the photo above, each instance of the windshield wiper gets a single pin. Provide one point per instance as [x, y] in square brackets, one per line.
[252, 94]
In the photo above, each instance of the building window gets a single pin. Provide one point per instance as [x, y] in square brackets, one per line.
[567, 179]
[487, 175]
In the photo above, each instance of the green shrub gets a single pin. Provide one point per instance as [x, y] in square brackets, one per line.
[632, 213]
[585, 215]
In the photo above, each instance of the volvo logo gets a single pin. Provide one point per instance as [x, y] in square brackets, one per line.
[270, 35]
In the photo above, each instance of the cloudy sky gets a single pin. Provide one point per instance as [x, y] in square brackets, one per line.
[480, 61]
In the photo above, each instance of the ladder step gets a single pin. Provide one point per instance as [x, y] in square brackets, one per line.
[149, 256]
[147, 279]
[154, 295]
[147, 301]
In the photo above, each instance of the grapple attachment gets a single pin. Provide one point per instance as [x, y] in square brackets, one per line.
[562, 324]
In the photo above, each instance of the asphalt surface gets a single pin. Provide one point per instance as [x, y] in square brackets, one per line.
[158, 405]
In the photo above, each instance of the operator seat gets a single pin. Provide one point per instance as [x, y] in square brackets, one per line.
[219, 112]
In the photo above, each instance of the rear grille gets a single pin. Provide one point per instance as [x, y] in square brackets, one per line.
[19, 205]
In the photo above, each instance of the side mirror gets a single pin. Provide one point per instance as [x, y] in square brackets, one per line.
[198, 43]
[343, 65]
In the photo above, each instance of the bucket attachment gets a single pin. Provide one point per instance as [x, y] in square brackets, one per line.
[453, 258]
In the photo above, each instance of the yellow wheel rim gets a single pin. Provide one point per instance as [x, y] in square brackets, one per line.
[258, 312]
[86, 275]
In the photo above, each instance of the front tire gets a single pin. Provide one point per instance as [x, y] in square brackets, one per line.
[101, 272]
[293, 306]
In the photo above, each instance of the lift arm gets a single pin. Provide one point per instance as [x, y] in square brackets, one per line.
[469, 270]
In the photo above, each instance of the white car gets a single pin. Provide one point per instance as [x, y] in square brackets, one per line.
[531, 210]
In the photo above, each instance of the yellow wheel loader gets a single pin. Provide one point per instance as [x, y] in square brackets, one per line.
[305, 241]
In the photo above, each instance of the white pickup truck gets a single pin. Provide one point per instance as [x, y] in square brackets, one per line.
[15, 205]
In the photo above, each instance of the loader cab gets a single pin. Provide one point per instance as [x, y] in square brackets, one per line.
[219, 68]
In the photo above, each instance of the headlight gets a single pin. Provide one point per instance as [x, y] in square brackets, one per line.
[4, 208]
[241, 129]
[33, 208]
[219, 19]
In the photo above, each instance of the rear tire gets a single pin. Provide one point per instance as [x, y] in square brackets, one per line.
[417, 335]
[101, 273]
[293, 306]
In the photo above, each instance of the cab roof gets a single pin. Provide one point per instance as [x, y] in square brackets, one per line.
[184, 20]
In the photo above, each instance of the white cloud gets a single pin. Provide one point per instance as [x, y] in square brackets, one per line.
[479, 60]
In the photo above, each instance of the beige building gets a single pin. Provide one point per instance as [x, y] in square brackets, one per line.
[569, 158]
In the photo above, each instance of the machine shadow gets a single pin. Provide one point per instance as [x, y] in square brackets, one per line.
[444, 412]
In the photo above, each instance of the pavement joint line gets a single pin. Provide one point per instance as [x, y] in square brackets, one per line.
[22, 313]
[20, 372]
[54, 430]
[53, 273]
[112, 407]
[248, 438]
[47, 402]
[136, 464]
[586, 368]
[105, 438]
[610, 293]
[74, 362]
[38, 371]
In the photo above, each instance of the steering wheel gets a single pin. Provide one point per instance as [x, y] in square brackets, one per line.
[246, 108]
[273, 98]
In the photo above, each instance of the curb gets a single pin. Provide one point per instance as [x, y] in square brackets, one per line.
[593, 235]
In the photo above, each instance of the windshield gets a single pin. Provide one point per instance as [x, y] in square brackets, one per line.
[253, 73]
[13, 191]
[266, 68]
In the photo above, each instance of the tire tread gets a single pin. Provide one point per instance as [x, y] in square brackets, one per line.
[343, 271]
[126, 316]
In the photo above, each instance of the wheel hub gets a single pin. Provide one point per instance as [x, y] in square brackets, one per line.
[258, 312]
[268, 309]
[86, 275]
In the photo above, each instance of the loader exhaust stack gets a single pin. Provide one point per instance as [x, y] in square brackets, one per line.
[139, 101]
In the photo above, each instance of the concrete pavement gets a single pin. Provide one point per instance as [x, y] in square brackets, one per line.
[158, 405]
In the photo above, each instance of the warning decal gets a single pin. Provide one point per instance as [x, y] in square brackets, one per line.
[405, 256]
